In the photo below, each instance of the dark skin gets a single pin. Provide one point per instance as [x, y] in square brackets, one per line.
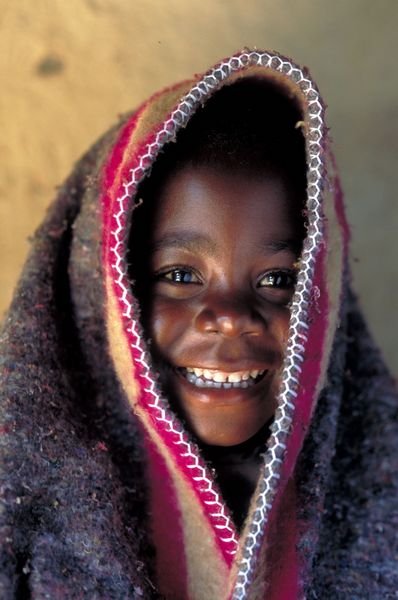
[224, 249]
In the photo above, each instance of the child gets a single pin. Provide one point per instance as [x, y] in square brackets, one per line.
[193, 407]
[215, 289]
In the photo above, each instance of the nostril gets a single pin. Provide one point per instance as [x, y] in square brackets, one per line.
[229, 321]
[206, 322]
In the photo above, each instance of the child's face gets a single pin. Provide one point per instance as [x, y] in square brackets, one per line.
[224, 248]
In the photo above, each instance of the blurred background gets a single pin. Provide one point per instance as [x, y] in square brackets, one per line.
[67, 69]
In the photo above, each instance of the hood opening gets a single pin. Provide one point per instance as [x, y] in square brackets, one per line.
[251, 126]
[160, 121]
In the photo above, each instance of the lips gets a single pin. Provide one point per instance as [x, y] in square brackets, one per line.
[217, 379]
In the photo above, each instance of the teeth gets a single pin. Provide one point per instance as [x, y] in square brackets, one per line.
[221, 379]
[235, 377]
[207, 374]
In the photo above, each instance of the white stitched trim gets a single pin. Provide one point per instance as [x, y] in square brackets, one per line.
[283, 417]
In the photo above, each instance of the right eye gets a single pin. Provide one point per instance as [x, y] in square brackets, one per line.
[179, 275]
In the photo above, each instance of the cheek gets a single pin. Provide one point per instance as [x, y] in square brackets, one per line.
[168, 321]
[279, 325]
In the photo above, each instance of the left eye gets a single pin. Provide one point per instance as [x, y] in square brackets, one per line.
[282, 280]
[179, 275]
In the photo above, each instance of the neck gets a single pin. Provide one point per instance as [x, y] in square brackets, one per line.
[237, 469]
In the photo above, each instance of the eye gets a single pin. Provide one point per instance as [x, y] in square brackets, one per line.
[179, 275]
[277, 286]
[279, 280]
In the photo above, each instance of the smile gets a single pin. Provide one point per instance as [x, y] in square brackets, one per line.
[212, 378]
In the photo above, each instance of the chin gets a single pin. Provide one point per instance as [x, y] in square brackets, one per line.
[219, 417]
[222, 433]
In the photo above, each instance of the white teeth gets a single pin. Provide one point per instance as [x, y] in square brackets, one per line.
[221, 379]
[207, 374]
[236, 377]
[221, 376]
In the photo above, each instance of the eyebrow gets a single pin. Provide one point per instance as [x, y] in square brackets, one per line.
[292, 245]
[186, 241]
[197, 242]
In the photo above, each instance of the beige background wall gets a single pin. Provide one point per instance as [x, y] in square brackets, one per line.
[67, 68]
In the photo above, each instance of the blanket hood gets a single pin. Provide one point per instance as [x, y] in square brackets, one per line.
[192, 528]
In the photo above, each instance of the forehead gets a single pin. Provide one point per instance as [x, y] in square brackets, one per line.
[221, 204]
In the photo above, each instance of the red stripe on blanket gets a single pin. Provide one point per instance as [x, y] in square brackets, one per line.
[167, 528]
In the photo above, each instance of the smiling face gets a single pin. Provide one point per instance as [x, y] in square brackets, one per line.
[222, 267]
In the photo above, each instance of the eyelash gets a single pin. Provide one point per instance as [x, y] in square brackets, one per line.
[274, 275]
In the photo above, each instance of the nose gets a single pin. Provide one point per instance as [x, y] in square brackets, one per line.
[230, 319]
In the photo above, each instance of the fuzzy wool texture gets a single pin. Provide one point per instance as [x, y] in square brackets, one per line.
[72, 485]
[73, 515]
